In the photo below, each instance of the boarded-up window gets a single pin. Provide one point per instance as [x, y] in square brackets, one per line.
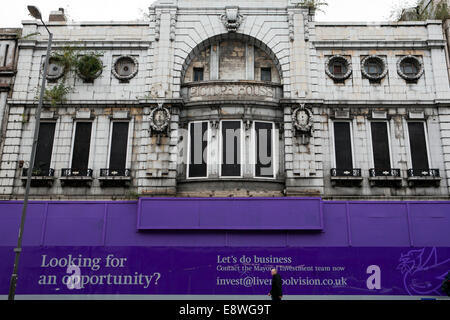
[264, 166]
[343, 145]
[231, 148]
[380, 145]
[81, 145]
[119, 144]
[44, 145]
[198, 137]
[418, 145]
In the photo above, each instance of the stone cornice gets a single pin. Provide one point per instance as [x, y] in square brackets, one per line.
[87, 44]
[100, 103]
[378, 44]
[370, 103]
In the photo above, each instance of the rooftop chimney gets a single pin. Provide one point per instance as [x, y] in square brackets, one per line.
[57, 16]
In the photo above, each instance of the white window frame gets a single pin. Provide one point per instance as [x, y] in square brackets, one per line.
[408, 144]
[91, 142]
[350, 121]
[129, 142]
[275, 147]
[208, 156]
[221, 149]
[371, 154]
[54, 147]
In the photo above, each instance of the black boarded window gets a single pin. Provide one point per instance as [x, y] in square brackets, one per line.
[44, 146]
[81, 145]
[343, 145]
[119, 144]
[231, 148]
[198, 137]
[380, 145]
[264, 166]
[266, 74]
[198, 74]
[418, 145]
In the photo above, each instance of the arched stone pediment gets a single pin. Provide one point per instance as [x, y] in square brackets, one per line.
[231, 66]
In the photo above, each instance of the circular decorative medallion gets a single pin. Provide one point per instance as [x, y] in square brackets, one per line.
[159, 118]
[374, 67]
[55, 69]
[302, 119]
[410, 68]
[338, 68]
[125, 67]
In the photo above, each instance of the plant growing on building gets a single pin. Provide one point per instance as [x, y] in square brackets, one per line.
[67, 58]
[89, 66]
[57, 94]
[313, 5]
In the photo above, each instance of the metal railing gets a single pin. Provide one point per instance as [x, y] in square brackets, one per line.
[432, 173]
[71, 172]
[115, 172]
[345, 172]
[39, 172]
[384, 173]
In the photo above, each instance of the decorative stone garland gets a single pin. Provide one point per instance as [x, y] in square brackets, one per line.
[419, 64]
[132, 60]
[347, 62]
[370, 76]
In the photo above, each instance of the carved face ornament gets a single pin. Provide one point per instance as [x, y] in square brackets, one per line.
[159, 119]
[302, 119]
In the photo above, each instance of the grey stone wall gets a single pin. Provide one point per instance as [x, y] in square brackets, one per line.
[181, 35]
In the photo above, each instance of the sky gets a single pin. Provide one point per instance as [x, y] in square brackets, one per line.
[12, 12]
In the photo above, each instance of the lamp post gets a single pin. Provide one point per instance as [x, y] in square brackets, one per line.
[34, 12]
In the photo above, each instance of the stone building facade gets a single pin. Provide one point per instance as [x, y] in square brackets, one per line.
[350, 110]
[8, 59]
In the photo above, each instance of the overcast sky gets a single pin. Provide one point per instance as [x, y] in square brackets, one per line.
[12, 12]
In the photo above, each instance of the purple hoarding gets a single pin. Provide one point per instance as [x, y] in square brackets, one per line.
[228, 271]
[230, 214]
[167, 246]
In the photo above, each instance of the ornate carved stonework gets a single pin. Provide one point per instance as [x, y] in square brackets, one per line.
[55, 69]
[413, 60]
[302, 119]
[157, 26]
[159, 118]
[125, 67]
[173, 22]
[232, 19]
[291, 26]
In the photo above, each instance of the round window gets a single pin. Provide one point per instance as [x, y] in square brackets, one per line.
[373, 68]
[410, 68]
[338, 68]
[125, 67]
[55, 69]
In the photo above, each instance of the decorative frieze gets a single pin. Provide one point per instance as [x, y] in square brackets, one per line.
[233, 90]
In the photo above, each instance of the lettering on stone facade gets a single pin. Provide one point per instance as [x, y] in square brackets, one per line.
[232, 90]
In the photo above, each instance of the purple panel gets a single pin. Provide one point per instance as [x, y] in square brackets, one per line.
[10, 215]
[121, 231]
[256, 239]
[230, 214]
[74, 224]
[334, 230]
[430, 223]
[379, 224]
[102, 270]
